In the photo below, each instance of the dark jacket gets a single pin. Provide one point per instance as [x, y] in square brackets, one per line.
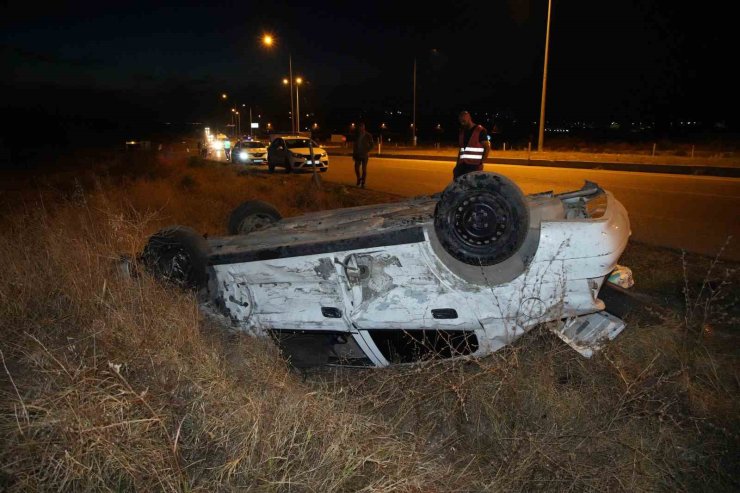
[362, 145]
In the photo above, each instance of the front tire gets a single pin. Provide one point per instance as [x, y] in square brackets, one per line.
[178, 254]
[481, 218]
[251, 216]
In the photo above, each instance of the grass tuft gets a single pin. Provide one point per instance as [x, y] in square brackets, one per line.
[111, 382]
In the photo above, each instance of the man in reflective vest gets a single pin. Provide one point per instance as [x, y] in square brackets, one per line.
[474, 146]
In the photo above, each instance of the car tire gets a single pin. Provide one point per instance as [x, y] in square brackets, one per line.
[324, 170]
[177, 254]
[270, 168]
[481, 218]
[252, 215]
[288, 167]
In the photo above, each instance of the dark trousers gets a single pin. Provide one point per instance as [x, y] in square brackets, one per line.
[360, 162]
[461, 169]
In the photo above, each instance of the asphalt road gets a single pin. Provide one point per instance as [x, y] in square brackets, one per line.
[694, 213]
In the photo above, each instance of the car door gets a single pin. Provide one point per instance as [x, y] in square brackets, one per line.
[402, 310]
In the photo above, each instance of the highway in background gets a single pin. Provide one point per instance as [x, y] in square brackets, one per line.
[694, 213]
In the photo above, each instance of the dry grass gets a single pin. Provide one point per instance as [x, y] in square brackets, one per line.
[114, 383]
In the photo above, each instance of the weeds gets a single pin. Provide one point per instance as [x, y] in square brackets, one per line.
[118, 383]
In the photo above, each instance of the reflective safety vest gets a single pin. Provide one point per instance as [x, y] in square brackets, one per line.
[471, 153]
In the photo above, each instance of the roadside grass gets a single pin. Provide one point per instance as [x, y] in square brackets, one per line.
[117, 383]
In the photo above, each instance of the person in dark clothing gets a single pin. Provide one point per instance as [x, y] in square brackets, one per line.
[474, 146]
[360, 153]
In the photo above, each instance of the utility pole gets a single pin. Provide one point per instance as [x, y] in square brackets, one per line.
[297, 108]
[541, 141]
[251, 131]
[413, 124]
[290, 74]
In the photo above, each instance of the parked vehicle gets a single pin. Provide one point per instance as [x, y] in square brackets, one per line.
[296, 153]
[457, 274]
[249, 152]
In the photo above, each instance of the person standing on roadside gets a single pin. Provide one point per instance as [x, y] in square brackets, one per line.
[227, 149]
[474, 146]
[360, 153]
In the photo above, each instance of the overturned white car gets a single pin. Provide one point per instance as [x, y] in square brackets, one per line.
[461, 273]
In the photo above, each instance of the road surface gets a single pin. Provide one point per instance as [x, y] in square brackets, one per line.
[693, 213]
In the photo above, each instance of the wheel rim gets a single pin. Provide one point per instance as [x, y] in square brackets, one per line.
[175, 266]
[481, 220]
[255, 222]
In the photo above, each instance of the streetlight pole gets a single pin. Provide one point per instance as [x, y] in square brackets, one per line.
[413, 124]
[541, 140]
[298, 83]
[290, 74]
[268, 41]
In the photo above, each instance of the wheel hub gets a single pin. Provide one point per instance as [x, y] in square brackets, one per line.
[254, 223]
[480, 220]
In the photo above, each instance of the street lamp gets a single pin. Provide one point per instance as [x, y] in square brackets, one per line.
[413, 124]
[297, 114]
[298, 83]
[541, 140]
[287, 82]
[268, 41]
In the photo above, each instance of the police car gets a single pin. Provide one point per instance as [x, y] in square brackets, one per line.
[249, 152]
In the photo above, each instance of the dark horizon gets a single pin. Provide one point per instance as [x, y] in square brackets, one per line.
[118, 68]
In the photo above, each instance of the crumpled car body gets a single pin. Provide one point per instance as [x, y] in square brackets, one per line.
[376, 285]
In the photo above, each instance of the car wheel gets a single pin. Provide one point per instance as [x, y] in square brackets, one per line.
[252, 215]
[324, 170]
[481, 218]
[288, 167]
[177, 254]
[270, 168]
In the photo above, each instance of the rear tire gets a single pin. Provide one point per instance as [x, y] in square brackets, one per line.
[481, 218]
[252, 215]
[178, 254]
[288, 167]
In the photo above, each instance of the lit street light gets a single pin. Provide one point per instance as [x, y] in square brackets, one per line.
[268, 41]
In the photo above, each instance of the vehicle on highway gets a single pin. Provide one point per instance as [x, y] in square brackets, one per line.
[296, 153]
[457, 274]
[249, 152]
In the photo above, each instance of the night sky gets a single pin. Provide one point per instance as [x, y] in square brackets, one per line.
[137, 63]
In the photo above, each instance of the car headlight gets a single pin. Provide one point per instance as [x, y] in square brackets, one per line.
[243, 155]
[596, 206]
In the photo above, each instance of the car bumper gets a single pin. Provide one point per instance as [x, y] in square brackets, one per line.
[309, 163]
[251, 160]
